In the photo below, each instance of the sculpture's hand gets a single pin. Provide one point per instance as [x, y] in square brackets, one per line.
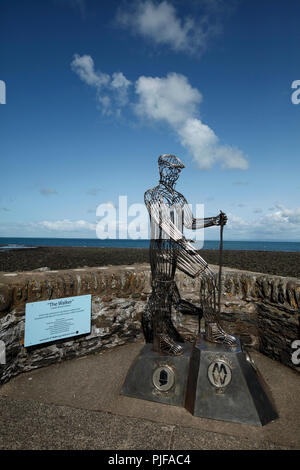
[221, 219]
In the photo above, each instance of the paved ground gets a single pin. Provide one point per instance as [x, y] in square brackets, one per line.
[77, 405]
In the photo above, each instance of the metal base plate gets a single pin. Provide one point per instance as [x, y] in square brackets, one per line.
[158, 378]
[223, 384]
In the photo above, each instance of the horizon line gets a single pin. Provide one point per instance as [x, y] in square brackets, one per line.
[148, 239]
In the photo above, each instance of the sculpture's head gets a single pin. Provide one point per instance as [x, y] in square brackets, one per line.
[169, 169]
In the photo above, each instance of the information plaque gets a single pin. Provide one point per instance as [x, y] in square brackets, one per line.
[51, 320]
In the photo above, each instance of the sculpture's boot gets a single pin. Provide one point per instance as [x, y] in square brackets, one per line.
[164, 344]
[215, 334]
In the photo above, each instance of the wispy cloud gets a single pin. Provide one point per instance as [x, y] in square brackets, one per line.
[170, 99]
[93, 191]
[112, 91]
[283, 222]
[65, 225]
[120, 85]
[47, 191]
[167, 100]
[174, 101]
[161, 24]
[85, 69]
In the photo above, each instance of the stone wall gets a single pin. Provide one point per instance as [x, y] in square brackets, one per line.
[262, 309]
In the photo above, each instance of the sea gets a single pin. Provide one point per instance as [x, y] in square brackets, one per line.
[8, 243]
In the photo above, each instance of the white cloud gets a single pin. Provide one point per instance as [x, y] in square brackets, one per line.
[283, 223]
[84, 67]
[291, 216]
[65, 225]
[120, 84]
[161, 24]
[171, 100]
[117, 85]
[106, 105]
[231, 157]
[200, 140]
[174, 101]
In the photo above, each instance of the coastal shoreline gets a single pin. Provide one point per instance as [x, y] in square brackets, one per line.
[17, 260]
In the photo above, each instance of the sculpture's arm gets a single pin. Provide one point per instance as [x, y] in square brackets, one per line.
[190, 222]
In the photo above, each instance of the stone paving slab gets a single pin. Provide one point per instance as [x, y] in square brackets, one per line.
[87, 392]
[29, 425]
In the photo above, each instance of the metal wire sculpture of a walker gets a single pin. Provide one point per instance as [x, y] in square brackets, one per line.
[169, 250]
[213, 378]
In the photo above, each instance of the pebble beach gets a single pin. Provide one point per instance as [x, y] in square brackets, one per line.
[54, 258]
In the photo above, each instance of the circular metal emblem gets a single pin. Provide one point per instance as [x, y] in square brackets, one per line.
[219, 374]
[163, 378]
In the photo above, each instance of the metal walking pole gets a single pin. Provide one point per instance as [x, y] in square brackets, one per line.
[220, 269]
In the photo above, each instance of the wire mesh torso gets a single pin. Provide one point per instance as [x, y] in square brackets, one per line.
[169, 212]
[164, 250]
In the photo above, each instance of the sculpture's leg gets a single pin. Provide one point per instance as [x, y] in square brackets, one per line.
[165, 335]
[149, 314]
[213, 330]
[173, 299]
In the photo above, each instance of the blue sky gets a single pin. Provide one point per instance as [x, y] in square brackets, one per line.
[96, 91]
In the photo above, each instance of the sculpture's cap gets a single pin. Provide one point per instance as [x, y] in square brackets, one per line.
[171, 161]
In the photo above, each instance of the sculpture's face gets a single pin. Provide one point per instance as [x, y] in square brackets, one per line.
[169, 169]
[176, 172]
[169, 174]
